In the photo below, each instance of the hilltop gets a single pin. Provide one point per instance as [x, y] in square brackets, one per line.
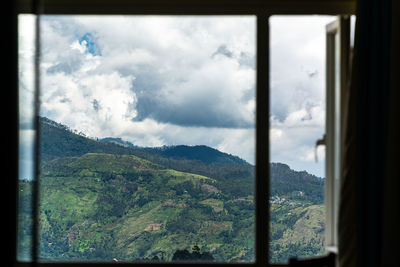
[59, 140]
[202, 153]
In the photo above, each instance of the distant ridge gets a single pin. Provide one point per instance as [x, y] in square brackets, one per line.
[59, 140]
[203, 153]
[109, 198]
[118, 141]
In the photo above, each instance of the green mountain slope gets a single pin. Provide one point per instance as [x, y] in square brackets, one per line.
[58, 140]
[103, 200]
[296, 230]
[141, 208]
[286, 182]
[297, 214]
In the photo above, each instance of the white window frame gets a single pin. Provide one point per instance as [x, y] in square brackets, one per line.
[337, 79]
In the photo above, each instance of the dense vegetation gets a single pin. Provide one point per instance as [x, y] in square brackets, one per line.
[106, 200]
[58, 141]
[102, 206]
[285, 182]
[297, 214]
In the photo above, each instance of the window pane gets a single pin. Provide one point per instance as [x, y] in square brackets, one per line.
[297, 121]
[147, 138]
[26, 50]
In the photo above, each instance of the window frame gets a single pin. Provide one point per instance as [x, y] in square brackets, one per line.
[337, 81]
[262, 10]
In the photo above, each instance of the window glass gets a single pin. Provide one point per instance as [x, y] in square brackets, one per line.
[147, 138]
[26, 51]
[297, 121]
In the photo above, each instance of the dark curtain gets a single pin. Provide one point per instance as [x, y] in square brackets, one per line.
[347, 218]
[391, 195]
[369, 156]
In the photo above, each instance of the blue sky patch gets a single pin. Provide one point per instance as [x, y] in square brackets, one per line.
[91, 44]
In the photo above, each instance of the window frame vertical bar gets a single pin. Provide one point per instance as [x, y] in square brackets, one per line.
[331, 31]
[262, 140]
[340, 28]
[36, 167]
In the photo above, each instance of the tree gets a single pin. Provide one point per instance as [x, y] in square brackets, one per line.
[195, 255]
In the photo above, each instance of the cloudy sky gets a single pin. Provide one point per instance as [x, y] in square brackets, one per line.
[160, 80]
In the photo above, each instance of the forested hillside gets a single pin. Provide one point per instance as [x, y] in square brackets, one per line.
[287, 183]
[297, 213]
[58, 141]
[102, 206]
[103, 200]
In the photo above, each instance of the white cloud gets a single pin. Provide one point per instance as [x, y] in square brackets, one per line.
[298, 90]
[70, 98]
[158, 80]
[81, 47]
[26, 52]
[297, 63]
[154, 81]
[178, 55]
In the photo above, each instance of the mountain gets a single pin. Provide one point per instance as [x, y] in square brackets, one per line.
[101, 200]
[105, 206]
[58, 140]
[296, 230]
[205, 154]
[202, 153]
[297, 213]
[118, 141]
[286, 182]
